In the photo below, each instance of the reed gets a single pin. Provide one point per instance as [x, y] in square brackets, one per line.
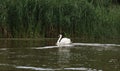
[48, 18]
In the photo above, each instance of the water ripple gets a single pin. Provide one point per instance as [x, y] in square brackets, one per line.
[50, 69]
[79, 44]
[95, 44]
[33, 68]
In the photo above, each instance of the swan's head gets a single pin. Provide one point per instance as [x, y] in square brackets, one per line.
[60, 35]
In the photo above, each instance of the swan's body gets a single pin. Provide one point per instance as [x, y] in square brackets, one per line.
[63, 41]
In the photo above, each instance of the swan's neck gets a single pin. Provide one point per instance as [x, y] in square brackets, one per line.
[58, 41]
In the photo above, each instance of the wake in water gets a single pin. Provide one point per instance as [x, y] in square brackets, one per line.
[94, 44]
[49, 69]
[79, 44]
[46, 47]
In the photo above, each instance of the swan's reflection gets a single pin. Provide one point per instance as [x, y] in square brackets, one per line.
[64, 56]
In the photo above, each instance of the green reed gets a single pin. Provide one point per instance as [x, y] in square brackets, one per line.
[48, 18]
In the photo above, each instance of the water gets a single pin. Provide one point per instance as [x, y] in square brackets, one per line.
[43, 55]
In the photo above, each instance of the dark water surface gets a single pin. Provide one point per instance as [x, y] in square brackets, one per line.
[43, 54]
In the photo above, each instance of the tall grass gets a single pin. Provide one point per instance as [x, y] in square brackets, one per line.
[48, 18]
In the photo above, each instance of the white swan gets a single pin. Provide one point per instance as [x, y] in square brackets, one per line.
[63, 41]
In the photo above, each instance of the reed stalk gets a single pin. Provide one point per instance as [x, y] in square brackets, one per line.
[48, 18]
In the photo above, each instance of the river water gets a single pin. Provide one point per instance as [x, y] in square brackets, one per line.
[44, 55]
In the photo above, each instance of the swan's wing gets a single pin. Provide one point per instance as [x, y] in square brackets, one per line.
[65, 40]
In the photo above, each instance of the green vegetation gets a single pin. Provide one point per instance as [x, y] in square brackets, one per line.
[48, 18]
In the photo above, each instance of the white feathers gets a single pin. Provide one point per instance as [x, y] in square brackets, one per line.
[63, 41]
